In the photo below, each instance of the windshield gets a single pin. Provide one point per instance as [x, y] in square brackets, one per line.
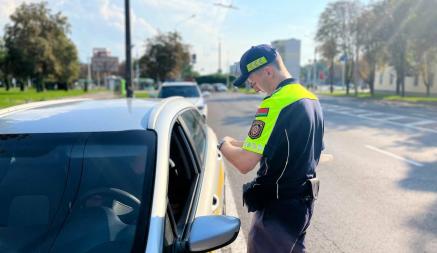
[184, 91]
[95, 188]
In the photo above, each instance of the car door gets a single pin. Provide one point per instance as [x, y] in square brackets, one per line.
[204, 141]
[183, 184]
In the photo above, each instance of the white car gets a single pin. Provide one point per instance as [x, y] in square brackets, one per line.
[124, 175]
[188, 90]
[220, 87]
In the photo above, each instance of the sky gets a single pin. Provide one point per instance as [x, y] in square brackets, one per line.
[100, 24]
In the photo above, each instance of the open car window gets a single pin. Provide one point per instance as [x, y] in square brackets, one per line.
[182, 184]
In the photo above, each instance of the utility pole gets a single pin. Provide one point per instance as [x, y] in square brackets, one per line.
[137, 70]
[315, 69]
[89, 75]
[220, 57]
[128, 63]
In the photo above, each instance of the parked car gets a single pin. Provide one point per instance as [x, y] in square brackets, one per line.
[189, 90]
[220, 87]
[206, 87]
[124, 175]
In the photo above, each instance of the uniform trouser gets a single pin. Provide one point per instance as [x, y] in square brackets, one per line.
[280, 227]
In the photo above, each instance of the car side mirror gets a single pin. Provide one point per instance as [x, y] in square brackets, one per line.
[212, 232]
[206, 94]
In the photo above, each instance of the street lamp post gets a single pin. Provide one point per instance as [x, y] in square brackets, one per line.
[219, 57]
[128, 64]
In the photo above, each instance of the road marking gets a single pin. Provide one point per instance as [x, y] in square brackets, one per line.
[371, 115]
[394, 156]
[388, 120]
[395, 118]
[360, 111]
[423, 122]
[239, 245]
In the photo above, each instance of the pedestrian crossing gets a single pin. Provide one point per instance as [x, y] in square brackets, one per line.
[418, 122]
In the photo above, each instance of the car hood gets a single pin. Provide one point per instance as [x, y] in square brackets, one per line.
[197, 101]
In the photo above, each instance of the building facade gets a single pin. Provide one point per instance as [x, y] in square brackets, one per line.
[103, 64]
[385, 81]
[290, 53]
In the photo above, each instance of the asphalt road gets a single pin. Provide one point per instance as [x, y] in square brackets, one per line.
[378, 194]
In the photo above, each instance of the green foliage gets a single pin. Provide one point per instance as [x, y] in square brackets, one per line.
[16, 97]
[214, 78]
[188, 73]
[38, 47]
[337, 34]
[400, 33]
[2, 61]
[423, 39]
[166, 57]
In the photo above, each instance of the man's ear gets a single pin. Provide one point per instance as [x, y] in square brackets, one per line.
[269, 71]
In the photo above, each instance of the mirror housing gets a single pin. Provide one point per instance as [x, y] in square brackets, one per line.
[212, 232]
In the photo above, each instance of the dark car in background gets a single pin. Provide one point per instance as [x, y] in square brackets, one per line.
[188, 90]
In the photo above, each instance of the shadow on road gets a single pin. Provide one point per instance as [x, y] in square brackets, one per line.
[423, 179]
[419, 178]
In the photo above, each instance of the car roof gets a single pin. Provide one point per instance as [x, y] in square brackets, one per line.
[81, 115]
[179, 84]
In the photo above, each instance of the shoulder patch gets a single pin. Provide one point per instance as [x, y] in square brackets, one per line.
[256, 129]
[262, 112]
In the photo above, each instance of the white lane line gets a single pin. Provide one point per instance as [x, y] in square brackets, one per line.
[395, 118]
[359, 111]
[389, 121]
[371, 115]
[423, 122]
[394, 156]
[344, 111]
[239, 245]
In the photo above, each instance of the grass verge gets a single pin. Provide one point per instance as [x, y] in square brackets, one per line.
[16, 97]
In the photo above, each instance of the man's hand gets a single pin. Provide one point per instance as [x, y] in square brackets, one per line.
[233, 141]
[242, 159]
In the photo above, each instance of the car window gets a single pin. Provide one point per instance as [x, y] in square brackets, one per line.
[116, 172]
[34, 171]
[183, 91]
[183, 178]
[170, 234]
[196, 131]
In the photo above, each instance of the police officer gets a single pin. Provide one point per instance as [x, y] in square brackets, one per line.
[286, 138]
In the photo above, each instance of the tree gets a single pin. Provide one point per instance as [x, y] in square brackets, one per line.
[214, 78]
[3, 64]
[421, 26]
[37, 45]
[188, 73]
[337, 32]
[371, 41]
[346, 13]
[67, 58]
[327, 33]
[397, 39]
[166, 57]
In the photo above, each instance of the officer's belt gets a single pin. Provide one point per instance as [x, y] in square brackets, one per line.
[256, 196]
[270, 191]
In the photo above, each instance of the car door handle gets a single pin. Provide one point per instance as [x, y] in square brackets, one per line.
[215, 202]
